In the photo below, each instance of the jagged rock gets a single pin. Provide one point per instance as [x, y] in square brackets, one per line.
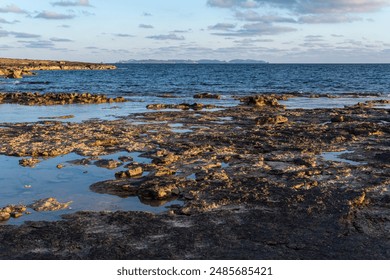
[125, 159]
[29, 162]
[83, 161]
[14, 211]
[159, 192]
[338, 118]
[49, 204]
[271, 120]
[262, 101]
[165, 159]
[164, 172]
[4, 216]
[28, 98]
[108, 163]
[14, 74]
[183, 106]
[134, 171]
[207, 95]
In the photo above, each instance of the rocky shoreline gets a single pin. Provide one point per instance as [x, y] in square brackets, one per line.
[254, 182]
[47, 99]
[17, 68]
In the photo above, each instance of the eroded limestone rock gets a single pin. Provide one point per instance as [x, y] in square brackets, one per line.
[49, 204]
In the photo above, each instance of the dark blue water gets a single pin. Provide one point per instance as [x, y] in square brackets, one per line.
[227, 79]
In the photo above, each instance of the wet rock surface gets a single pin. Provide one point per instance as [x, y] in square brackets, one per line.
[49, 204]
[255, 186]
[12, 211]
[182, 106]
[30, 98]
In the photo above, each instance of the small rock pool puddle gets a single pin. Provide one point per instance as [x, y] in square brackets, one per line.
[336, 156]
[24, 185]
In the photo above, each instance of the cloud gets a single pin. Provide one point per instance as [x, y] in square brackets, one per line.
[232, 3]
[123, 35]
[222, 26]
[257, 29]
[171, 36]
[314, 38]
[22, 35]
[250, 15]
[331, 18]
[146, 26]
[64, 26]
[5, 47]
[308, 7]
[41, 44]
[80, 3]
[4, 21]
[182, 31]
[54, 16]
[249, 41]
[62, 40]
[13, 9]
[145, 14]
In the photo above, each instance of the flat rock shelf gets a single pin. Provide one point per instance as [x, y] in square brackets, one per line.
[253, 181]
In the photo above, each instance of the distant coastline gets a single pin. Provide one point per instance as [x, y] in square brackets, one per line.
[189, 61]
[17, 68]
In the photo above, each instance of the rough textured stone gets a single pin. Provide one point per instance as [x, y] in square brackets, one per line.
[49, 204]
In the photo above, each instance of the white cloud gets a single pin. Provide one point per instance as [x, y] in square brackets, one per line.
[62, 40]
[222, 26]
[308, 7]
[146, 26]
[257, 29]
[54, 16]
[4, 33]
[4, 21]
[80, 3]
[164, 37]
[12, 9]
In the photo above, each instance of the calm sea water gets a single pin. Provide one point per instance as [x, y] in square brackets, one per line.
[144, 84]
[134, 80]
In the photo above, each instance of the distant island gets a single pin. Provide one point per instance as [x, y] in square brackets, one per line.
[188, 61]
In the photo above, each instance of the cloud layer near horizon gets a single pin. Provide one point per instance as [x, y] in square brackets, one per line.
[279, 30]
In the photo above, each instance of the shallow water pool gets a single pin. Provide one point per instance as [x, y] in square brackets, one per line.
[24, 185]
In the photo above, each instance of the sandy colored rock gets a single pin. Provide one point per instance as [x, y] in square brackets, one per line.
[4, 216]
[108, 163]
[29, 162]
[49, 204]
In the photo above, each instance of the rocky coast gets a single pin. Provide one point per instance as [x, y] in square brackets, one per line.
[17, 68]
[254, 181]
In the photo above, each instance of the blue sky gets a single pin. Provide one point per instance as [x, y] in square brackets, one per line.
[280, 31]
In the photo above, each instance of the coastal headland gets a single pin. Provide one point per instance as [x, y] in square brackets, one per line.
[253, 181]
[17, 68]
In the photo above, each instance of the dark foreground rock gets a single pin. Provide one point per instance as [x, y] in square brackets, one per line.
[237, 233]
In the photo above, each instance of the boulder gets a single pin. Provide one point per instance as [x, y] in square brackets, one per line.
[207, 96]
[108, 163]
[29, 162]
[15, 74]
[271, 120]
[4, 216]
[49, 204]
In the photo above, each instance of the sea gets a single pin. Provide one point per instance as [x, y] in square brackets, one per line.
[143, 84]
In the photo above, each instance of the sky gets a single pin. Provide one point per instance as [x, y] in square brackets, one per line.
[279, 31]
